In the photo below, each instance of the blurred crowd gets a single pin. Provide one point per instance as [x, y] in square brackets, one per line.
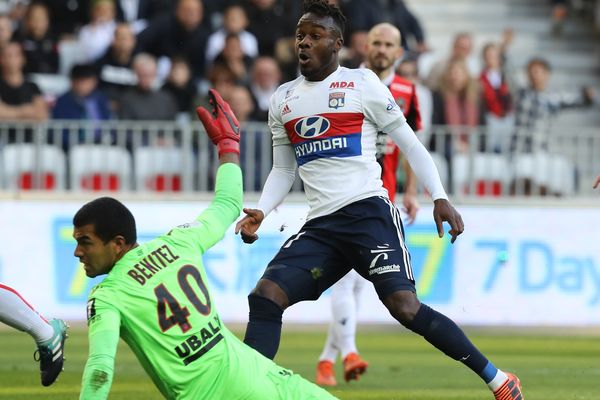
[156, 60]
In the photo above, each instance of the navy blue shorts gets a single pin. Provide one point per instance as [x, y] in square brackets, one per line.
[366, 235]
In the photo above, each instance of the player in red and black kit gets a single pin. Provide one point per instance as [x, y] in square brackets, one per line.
[383, 50]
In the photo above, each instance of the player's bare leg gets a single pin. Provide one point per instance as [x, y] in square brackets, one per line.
[446, 336]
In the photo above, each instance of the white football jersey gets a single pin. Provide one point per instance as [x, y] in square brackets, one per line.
[332, 126]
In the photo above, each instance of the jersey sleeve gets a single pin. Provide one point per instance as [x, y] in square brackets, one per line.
[278, 131]
[104, 323]
[379, 105]
[210, 226]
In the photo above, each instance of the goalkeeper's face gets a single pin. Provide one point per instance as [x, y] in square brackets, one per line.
[98, 257]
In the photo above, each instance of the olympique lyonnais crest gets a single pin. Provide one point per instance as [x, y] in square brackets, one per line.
[337, 99]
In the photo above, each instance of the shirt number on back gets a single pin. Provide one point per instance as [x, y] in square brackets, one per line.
[178, 314]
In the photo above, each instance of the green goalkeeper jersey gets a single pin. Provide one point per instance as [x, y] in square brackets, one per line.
[156, 298]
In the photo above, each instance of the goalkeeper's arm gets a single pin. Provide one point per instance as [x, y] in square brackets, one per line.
[100, 365]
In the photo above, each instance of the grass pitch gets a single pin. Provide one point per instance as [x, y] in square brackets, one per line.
[402, 366]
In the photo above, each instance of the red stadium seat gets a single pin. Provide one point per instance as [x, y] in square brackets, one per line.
[26, 166]
[163, 169]
[99, 168]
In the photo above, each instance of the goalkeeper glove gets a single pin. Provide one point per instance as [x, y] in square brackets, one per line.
[220, 123]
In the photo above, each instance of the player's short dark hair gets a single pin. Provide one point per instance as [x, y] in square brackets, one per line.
[323, 9]
[110, 218]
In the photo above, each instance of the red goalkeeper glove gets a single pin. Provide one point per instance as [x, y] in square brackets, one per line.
[221, 124]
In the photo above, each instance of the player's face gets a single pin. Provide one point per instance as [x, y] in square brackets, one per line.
[96, 256]
[383, 49]
[317, 44]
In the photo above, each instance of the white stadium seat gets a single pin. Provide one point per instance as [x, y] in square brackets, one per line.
[28, 166]
[552, 171]
[99, 167]
[486, 174]
[163, 169]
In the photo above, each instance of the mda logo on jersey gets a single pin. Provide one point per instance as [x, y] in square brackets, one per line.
[432, 260]
[312, 127]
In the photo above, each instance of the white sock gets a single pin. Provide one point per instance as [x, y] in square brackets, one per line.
[329, 352]
[343, 308]
[498, 381]
[16, 312]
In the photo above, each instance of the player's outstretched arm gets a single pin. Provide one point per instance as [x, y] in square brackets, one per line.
[104, 325]
[222, 127]
[597, 182]
[278, 184]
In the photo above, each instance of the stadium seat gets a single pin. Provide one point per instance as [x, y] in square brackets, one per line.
[52, 85]
[26, 166]
[162, 169]
[488, 175]
[549, 173]
[99, 167]
[70, 52]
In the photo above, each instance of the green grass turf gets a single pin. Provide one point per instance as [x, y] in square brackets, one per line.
[402, 366]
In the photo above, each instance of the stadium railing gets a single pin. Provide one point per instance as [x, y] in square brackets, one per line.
[158, 156]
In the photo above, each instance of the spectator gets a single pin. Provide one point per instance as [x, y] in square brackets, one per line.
[536, 105]
[235, 22]
[20, 99]
[496, 98]
[83, 102]
[265, 78]
[413, 36]
[68, 16]
[97, 35]
[144, 102]
[455, 104]
[181, 33]
[116, 73]
[409, 69]
[361, 15]
[268, 23]
[240, 100]
[136, 13]
[235, 59]
[462, 49]
[559, 15]
[222, 79]
[181, 85]
[39, 42]
[356, 54]
[6, 30]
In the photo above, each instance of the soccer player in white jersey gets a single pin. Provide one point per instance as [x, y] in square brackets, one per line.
[49, 335]
[325, 123]
[383, 50]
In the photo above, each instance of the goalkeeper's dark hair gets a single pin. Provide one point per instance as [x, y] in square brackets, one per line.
[323, 9]
[110, 218]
